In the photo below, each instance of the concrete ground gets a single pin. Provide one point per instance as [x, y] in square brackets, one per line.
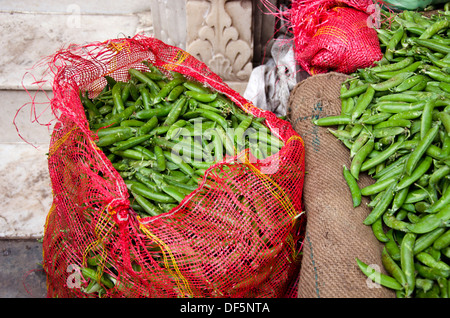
[21, 274]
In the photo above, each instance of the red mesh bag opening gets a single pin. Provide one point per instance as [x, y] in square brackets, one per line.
[239, 234]
[334, 35]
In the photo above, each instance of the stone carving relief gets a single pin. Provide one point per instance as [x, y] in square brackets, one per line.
[219, 33]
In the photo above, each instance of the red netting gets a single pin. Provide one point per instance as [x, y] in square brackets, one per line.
[334, 35]
[238, 235]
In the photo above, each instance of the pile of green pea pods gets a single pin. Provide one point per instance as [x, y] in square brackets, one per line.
[162, 132]
[395, 121]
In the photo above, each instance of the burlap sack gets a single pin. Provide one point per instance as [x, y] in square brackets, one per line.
[335, 233]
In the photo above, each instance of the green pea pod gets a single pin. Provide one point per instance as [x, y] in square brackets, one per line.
[333, 120]
[409, 83]
[381, 207]
[434, 28]
[202, 97]
[391, 246]
[148, 126]
[359, 142]
[392, 82]
[179, 161]
[144, 79]
[353, 187]
[132, 154]
[416, 196]
[393, 66]
[444, 117]
[430, 261]
[429, 272]
[153, 112]
[132, 123]
[442, 241]
[443, 201]
[147, 205]
[400, 122]
[399, 198]
[196, 87]
[141, 189]
[363, 103]
[432, 45]
[407, 115]
[399, 107]
[116, 119]
[354, 91]
[240, 131]
[110, 139]
[160, 159]
[421, 148]
[378, 231]
[377, 277]
[384, 155]
[424, 241]
[431, 221]
[376, 118]
[117, 97]
[391, 168]
[92, 274]
[388, 132]
[378, 186]
[393, 223]
[410, 68]
[407, 261]
[167, 88]
[392, 267]
[145, 97]
[129, 143]
[415, 175]
[208, 115]
[113, 130]
[145, 152]
[175, 93]
[444, 287]
[175, 112]
[393, 42]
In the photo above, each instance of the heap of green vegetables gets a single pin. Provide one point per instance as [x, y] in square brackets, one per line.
[395, 121]
[161, 132]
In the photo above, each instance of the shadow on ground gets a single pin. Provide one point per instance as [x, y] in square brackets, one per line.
[21, 273]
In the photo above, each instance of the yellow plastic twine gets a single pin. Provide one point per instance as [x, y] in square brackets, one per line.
[184, 287]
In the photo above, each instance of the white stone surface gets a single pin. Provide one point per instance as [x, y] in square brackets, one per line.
[27, 38]
[25, 114]
[101, 7]
[25, 190]
[169, 21]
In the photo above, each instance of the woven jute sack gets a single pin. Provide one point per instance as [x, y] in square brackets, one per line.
[335, 234]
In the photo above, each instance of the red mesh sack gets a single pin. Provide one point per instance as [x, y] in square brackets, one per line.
[334, 35]
[239, 234]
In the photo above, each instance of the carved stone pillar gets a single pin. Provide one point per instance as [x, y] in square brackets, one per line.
[219, 33]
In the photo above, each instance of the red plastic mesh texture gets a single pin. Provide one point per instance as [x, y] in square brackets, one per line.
[238, 235]
[334, 35]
